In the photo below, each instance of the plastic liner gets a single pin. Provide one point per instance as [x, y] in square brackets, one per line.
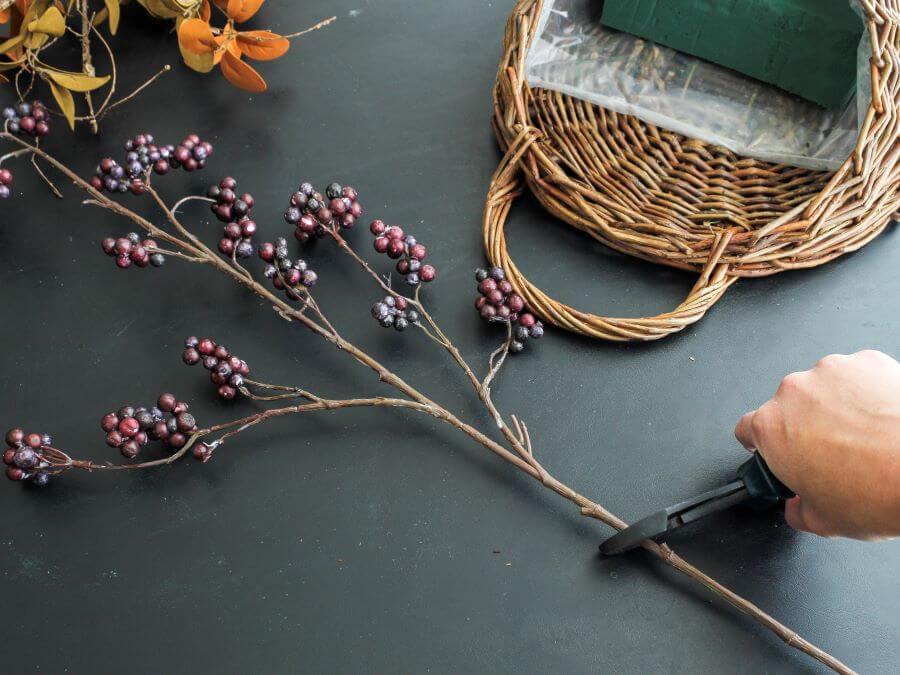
[574, 54]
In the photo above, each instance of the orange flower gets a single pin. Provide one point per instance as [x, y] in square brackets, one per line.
[204, 47]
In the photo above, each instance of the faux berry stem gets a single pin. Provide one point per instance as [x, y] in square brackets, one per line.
[520, 455]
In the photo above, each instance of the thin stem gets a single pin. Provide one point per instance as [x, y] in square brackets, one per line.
[319, 25]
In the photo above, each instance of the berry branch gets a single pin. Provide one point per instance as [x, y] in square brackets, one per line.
[289, 292]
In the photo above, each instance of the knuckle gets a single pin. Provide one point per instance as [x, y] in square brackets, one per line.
[872, 356]
[791, 383]
[831, 361]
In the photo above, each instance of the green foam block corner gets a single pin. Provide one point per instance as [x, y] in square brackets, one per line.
[806, 47]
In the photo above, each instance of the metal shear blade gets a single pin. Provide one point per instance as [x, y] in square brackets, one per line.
[657, 525]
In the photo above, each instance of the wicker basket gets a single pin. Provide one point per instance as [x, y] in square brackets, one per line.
[679, 201]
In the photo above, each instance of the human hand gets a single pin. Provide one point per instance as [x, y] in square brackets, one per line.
[832, 434]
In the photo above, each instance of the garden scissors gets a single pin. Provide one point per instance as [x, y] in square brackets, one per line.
[754, 485]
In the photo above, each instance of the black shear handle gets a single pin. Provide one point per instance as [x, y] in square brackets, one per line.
[763, 487]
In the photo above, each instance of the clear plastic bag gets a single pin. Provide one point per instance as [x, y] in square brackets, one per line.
[574, 54]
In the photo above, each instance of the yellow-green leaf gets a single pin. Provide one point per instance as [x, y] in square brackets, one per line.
[65, 100]
[12, 43]
[77, 81]
[51, 22]
[9, 65]
[113, 7]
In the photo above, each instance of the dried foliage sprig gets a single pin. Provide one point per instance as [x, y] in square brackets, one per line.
[37, 25]
[288, 290]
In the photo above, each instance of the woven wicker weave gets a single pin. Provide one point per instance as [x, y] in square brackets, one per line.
[679, 201]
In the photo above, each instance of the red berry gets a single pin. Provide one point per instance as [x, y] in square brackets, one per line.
[160, 430]
[377, 227]
[201, 451]
[324, 216]
[123, 246]
[176, 440]
[515, 302]
[33, 441]
[97, 183]
[5, 176]
[123, 262]
[396, 247]
[488, 311]
[505, 287]
[206, 346]
[247, 198]
[129, 427]
[395, 232]
[487, 286]
[14, 473]
[417, 252]
[114, 439]
[427, 273]
[233, 231]
[227, 392]
[400, 302]
[27, 124]
[14, 437]
[307, 224]
[167, 402]
[381, 244]
[226, 246]
[495, 297]
[248, 227]
[223, 212]
[527, 320]
[267, 251]
[356, 210]
[130, 449]
[8, 456]
[480, 302]
[109, 422]
[221, 352]
[337, 206]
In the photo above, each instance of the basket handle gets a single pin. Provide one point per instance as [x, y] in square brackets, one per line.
[506, 184]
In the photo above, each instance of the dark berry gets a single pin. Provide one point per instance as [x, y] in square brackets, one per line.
[15, 437]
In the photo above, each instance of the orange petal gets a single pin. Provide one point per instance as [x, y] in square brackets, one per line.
[205, 11]
[242, 10]
[241, 74]
[5, 15]
[195, 35]
[262, 45]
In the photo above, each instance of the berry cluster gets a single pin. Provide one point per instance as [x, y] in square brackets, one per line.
[394, 311]
[28, 118]
[23, 457]
[5, 179]
[499, 303]
[235, 212]
[288, 276]
[130, 249]
[310, 213]
[392, 241]
[130, 428]
[226, 370]
[142, 155]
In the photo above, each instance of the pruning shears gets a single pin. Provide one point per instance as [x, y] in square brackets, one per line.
[755, 485]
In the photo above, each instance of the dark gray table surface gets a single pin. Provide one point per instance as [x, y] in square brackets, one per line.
[379, 541]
